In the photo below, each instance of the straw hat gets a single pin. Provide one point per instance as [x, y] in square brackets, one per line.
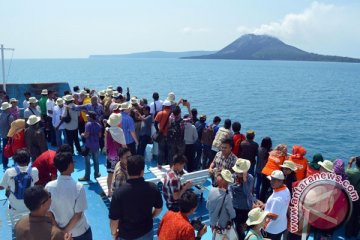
[16, 125]
[5, 105]
[83, 92]
[289, 164]
[277, 174]
[328, 165]
[116, 106]
[32, 100]
[102, 93]
[115, 94]
[256, 216]
[134, 100]
[59, 101]
[125, 105]
[167, 103]
[171, 97]
[227, 176]
[33, 119]
[44, 92]
[68, 98]
[241, 165]
[13, 100]
[109, 92]
[110, 87]
[114, 119]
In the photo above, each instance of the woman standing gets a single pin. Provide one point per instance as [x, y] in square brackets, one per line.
[314, 167]
[263, 155]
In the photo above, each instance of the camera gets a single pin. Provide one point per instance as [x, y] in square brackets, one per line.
[197, 224]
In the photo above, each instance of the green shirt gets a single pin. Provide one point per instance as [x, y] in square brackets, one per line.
[42, 105]
[252, 235]
[354, 178]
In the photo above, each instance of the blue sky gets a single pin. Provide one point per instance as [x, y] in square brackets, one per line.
[78, 28]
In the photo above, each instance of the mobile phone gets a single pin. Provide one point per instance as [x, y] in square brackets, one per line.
[184, 100]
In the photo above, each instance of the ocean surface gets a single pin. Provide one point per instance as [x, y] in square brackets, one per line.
[313, 104]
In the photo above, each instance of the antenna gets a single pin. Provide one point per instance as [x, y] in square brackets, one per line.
[3, 64]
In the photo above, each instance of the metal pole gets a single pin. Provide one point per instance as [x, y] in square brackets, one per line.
[3, 67]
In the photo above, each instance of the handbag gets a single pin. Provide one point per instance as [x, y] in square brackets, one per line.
[227, 233]
[8, 150]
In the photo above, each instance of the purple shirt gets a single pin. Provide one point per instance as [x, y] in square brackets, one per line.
[92, 142]
[128, 126]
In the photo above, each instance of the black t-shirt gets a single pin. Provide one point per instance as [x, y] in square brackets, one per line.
[249, 150]
[132, 204]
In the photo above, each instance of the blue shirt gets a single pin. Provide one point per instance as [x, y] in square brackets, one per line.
[242, 194]
[128, 126]
[98, 109]
[92, 142]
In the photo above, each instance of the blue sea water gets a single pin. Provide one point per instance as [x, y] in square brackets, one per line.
[315, 104]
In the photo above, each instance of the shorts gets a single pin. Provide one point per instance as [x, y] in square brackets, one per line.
[110, 164]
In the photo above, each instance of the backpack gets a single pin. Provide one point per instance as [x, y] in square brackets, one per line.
[175, 132]
[22, 181]
[207, 137]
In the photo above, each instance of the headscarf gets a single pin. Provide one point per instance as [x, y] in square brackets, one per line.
[314, 163]
[339, 168]
[16, 126]
[298, 152]
[117, 134]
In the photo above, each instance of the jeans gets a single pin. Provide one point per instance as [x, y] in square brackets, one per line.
[59, 133]
[73, 137]
[258, 185]
[5, 160]
[265, 185]
[192, 165]
[86, 236]
[147, 236]
[144, 140]
[252, 169]
[95, 157]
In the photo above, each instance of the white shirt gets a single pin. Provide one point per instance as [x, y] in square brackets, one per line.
[50, 103]
[158, 107]
[74, 123]
[278, 203]
[8, 181]
[67, 198]
[56, 118]
[25, 104]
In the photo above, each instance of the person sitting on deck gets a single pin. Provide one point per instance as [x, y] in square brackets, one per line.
[172, 187]
[176, 225]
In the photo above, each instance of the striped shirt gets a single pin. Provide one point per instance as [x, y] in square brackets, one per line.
[171, 185]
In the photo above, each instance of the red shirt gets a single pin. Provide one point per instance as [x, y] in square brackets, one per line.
[237, 139]
[45, 164]
[175, 226]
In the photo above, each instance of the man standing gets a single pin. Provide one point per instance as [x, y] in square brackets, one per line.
[50, 104]
[92, 135]
[57, 123]
[5, 122]
[71, 127]
[128, 126]
[135, 204]
[277, 206]
[145, 131]
[42, 103]
[34, 137]
[175, 226]
[249, 150]
[68, 199]
[172, 188]
[33, 108]
[155, 107]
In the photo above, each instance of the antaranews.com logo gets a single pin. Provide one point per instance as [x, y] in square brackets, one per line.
[322, 200]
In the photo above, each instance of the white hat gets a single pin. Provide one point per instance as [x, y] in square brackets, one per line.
[59, 101]
[33, 119]
[110, 87]
[84, 92]
[68, 98]
[328, 165]
[114, 119]
[102, 93]
[32, 100]
[167, 103]
[109, 92]
[115, 94]
[13, 100]
[5, 105]
[241, 165]
[134, 100]
[171, 97]
[289, 164]
[44, 92]
[256, 216]
[125, 105]
[227, 176]
[277, 174]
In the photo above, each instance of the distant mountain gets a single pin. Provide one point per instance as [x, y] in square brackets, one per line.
[155, 54]
[263, 47]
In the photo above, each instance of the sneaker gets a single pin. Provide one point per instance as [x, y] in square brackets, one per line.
[84, 179]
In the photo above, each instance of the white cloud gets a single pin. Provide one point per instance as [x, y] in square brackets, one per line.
[322, 28]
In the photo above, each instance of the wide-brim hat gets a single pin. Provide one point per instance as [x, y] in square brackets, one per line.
[102, 93]
[33, 119]
[327, 164]
[202, 116]
[227, 176]
[83, 92]
[241, 165]
[13, 100]
[5, 105]
[134, 100]
[289, 164]
[115, 94]
[15, 126]
[109, 92]
[171, 97]
[276, 174]
[256, 216]
[110, 87]
[116, 106]
[125, 105]
[68, 98]
[59, 101]
[114, 119]
[32, 100]
[44, 92]
[167, 103]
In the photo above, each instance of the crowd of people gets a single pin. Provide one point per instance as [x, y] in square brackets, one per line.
[251, 185]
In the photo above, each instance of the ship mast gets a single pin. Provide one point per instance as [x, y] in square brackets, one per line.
[3, 64]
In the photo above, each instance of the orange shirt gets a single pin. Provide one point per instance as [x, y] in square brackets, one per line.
[311, 171]
[273, 164]
[161, 118]
[301, 167]
[175, 226]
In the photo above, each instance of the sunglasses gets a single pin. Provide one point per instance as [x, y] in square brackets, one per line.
[47, 199]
